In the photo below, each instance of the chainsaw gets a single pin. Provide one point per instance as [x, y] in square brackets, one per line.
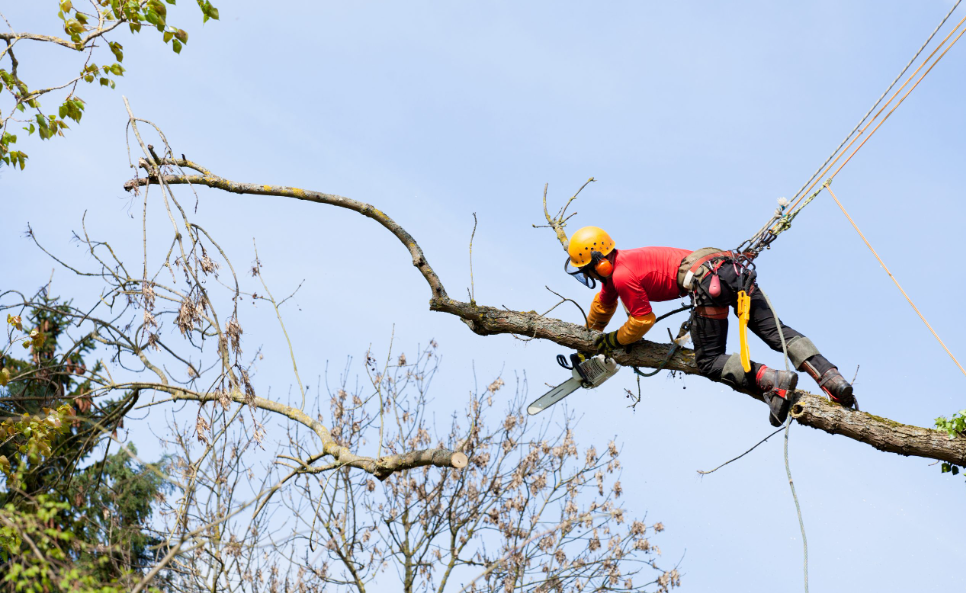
[588, 372]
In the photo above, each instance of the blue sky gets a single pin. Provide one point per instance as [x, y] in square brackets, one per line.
[693, 116]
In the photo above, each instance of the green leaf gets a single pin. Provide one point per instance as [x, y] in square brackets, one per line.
[65, 5]
[117, 48]
[105, 82]
[117, 70]
[167, 36]
[176, 46]
[208, 10]
[20, 107]
[181, 35]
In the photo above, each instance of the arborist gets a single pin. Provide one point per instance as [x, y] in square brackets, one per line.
[715, 280]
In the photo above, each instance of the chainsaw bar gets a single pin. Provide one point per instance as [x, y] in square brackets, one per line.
[553, 396]
[587, 372]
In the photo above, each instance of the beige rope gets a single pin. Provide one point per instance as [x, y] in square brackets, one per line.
[886, 268]
[896, 94]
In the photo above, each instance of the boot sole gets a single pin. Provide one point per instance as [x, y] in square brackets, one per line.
[786, 402]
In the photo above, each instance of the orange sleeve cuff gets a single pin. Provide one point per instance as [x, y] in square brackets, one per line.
[635, 328]
[600, 314]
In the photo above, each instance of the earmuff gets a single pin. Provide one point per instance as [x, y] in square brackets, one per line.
[602, 265]
[604, 268]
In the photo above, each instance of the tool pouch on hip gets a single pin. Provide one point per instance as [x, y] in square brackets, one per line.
[688, 262]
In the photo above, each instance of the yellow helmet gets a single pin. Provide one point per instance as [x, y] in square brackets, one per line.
[585, 241]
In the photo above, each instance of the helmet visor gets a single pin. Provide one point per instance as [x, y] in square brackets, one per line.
[578, 274]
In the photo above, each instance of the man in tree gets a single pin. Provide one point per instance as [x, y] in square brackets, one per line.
[715, 280]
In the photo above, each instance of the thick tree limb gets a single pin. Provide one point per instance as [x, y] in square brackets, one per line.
[809, 410]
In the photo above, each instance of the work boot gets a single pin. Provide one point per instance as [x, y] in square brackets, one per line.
[833, 384]
[777, 388]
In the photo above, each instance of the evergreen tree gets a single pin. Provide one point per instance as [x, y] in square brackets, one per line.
[87, 510]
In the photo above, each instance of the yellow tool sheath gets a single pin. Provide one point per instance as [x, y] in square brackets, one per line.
[744, 310]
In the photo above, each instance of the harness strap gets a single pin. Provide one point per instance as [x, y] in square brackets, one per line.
[695, 268]
[712, 312]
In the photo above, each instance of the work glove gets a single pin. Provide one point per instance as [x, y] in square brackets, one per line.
[605, 343]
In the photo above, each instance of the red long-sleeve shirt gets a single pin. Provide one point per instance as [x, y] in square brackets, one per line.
[643, 275]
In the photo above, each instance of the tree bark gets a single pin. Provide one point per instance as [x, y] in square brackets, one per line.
[808, 409]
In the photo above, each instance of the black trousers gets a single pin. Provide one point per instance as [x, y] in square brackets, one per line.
[710, 336]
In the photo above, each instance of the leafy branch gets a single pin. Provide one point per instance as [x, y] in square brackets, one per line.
[83, 29]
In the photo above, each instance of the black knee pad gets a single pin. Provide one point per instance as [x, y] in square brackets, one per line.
[733, 373]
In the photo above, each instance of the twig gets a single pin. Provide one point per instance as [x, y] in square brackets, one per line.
[532, 538]
[704, 473]
[566, 299]
[560, 221]
[281, 323]
[472, 287]
[560, 215]
[630, 395]
[8, 23]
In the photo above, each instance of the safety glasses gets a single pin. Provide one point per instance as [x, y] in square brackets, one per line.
[579, 274]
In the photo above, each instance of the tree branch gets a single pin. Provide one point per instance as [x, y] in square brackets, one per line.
[419, 260]
[382, 467]
[809, 410]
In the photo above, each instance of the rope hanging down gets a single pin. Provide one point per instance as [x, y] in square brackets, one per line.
[788, 427]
